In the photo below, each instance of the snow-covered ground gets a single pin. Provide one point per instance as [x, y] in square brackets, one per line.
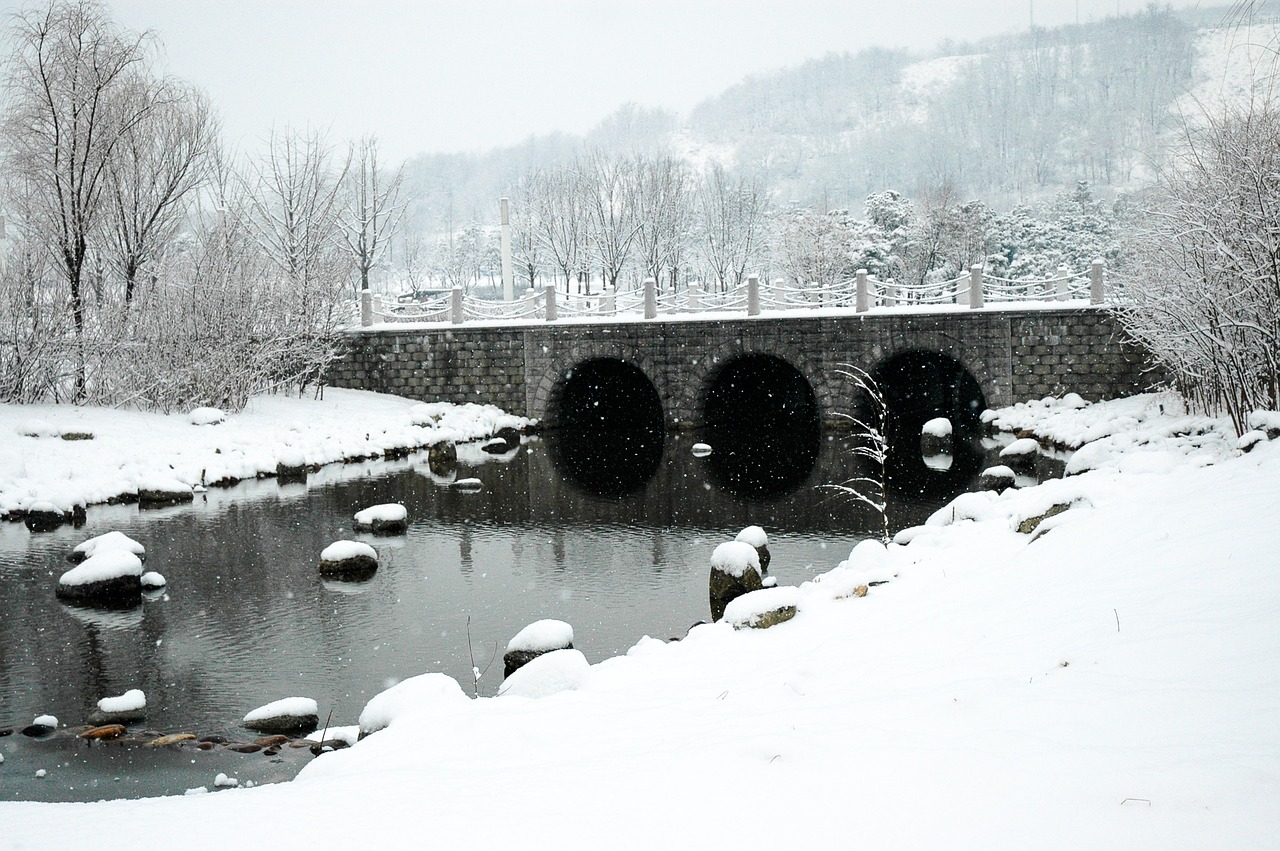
[1112, 682]
[130, 450]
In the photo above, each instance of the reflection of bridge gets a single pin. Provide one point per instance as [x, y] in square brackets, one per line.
[939, 360]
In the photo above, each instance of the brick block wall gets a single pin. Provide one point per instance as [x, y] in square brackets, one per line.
[1014, 356]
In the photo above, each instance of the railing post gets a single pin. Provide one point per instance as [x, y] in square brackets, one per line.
[779, 293]
[376, 308]
[693, 295]
[862, 299]
[1096, 282]
[455, 304]
[366, 308]
[890, 293]
[1063, 275]
[550, 299]
[975, 285]
[650, 298]
[753, 295]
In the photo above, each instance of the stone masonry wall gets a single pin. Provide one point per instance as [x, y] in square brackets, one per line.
[1082, 351]
[484, 365]
[1014, 355]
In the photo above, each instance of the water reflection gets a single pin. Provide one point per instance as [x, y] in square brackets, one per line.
[246, 617]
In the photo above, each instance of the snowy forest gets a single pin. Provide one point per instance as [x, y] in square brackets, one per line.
[146, 264]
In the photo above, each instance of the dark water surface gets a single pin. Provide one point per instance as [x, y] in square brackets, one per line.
[246, 619]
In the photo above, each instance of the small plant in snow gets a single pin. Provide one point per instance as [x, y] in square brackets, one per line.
[872, 445]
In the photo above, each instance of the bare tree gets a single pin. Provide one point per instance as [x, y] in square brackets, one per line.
[817, 247]
[159, 166]
[1203, 280]
[77, 88]
[663, 213]
[294, 212]
[372, 209]
[731, 213]
[608, 192]
[562, 219]
[526, 247]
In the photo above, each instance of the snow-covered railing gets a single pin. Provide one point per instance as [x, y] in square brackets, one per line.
[860, 293]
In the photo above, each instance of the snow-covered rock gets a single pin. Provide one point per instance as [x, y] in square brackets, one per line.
[43, 725]
[534, 640]
[287, 715]
[937, 427]
[762, 609]
[700, 450]
[548, 674]
[997, 478]
[756, 537]
[109, 575]
[1021, 446]
[160, 490]
[206, 416]
[735, 570]
[38, 428]
[151, 580]
[108, 541]
[388, 518]
[348, 560]
[415, 698]
[123, 709]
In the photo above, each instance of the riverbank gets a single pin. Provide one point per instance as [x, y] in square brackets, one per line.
[69, 457]
[1108, 680]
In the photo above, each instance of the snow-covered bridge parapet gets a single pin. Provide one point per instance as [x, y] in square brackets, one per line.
[1011, 354]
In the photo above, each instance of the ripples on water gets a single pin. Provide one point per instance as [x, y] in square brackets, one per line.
[246, 619]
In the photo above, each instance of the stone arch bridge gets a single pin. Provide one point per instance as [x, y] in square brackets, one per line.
[950, 362]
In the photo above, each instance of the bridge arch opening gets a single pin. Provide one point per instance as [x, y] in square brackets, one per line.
[608, 426]
[919, 386]
[763, 422]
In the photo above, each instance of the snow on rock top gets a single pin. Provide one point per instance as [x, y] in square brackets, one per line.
[293, 707]
[390, 512]
[937, 427]
[110, 541]
[548, 674]
[131, 701]
[1021, 446]
[417, 695]
[206, 416]
[109, 564]
[540, 636]
[750, 608]
[735, 558]
[37, 428]
[753, 535]
[45, 721]
[343, 550]
[151, 579]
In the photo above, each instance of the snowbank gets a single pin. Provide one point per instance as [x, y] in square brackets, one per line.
[1103, 685]
[345, 425]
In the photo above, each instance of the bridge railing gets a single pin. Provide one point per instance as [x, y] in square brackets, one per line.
[860, 293]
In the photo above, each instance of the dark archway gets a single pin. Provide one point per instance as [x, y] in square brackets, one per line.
[763, 423]
[608, 426]
[917, 387]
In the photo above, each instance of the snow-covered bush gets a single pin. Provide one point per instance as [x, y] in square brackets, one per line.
[1201, 280]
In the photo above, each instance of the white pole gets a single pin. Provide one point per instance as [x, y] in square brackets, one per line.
[975, 285]
[508, 276]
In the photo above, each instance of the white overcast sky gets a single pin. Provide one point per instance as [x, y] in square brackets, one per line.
[428, 76]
